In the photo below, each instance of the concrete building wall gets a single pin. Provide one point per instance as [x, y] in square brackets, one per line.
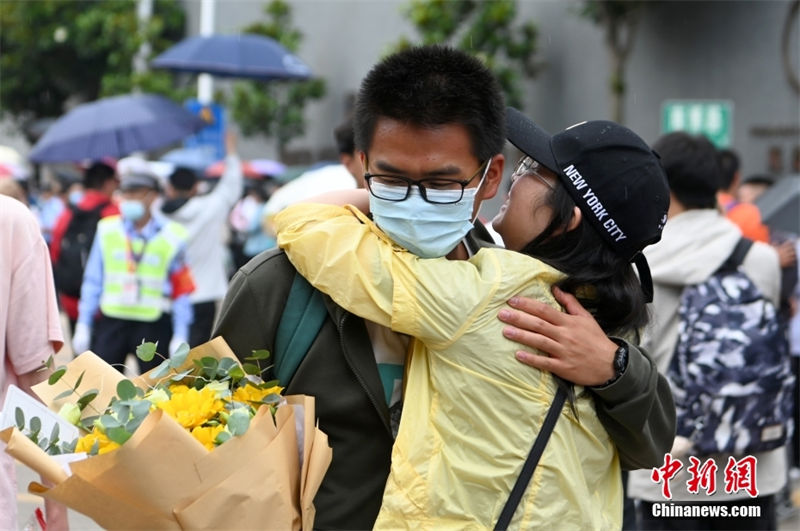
[684, 50]
[713, 50]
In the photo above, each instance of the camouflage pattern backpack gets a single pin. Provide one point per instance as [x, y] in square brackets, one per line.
[730, 372]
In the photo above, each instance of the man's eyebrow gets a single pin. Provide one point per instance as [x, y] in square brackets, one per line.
[445, 171]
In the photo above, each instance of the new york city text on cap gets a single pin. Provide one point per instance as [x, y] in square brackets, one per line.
[594, 203]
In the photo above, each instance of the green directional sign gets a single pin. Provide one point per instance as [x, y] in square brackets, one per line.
[712, 118]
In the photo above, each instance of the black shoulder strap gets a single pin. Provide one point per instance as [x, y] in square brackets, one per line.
[737, 256]
[535, 454]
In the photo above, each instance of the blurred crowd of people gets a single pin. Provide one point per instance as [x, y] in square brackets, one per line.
[104, 222]
[140, 255]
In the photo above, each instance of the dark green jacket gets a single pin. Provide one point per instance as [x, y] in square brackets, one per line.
[339, 370]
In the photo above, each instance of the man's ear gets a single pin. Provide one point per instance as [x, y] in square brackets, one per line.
[577, 216]
[494, 177]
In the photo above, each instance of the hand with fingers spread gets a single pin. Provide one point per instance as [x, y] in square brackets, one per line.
[579, 351]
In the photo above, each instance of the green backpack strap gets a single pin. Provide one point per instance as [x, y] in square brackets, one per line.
[300, 323]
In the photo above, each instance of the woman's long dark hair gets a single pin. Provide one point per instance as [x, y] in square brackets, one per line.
[603, 282]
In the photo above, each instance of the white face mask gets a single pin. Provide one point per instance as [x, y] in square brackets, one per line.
[426, 229]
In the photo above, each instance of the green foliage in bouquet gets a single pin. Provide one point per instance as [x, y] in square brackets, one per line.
[214, 399]
[52, 445]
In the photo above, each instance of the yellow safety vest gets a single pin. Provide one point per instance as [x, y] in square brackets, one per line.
[132, 290]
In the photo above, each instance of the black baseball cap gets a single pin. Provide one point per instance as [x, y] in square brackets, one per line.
[612, 175]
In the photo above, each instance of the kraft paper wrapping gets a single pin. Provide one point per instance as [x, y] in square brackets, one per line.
[163, 478]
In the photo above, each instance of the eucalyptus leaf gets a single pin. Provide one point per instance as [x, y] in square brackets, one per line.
[251, 368]
[78, 381]
[238, 421]
[109, 421]
[36, 425]
[146, 351]
[88, 422]
[118, 435]
[123, 411]
[19, 417]
[95, 448]
[261, 354]
[50, 361]
[222, 437]
[209, 367]
[141, 408]
[236, 373]
[272, 399]
[181, 375]
[126, 390]
[133, 424]
[208, 361]
[179, 356]
[68, 447]
[56, 376]
[86, 398]
[63, 394]
[43, 443]
[162, 370]
[55, 433]
[226, 364]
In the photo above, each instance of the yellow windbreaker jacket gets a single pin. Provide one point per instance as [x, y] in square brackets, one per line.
[471, 411]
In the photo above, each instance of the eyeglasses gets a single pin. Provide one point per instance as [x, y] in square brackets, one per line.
[530, 166]
[398, 188]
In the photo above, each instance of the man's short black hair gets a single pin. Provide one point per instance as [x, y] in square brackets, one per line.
[183, 179]
[345, 138]
[692, 169]
[430, 86]
[97, 174]
[728, 162]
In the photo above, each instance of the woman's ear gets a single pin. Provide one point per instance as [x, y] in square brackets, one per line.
[577, 216]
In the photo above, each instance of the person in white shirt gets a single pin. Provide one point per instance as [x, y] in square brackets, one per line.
[204, 217]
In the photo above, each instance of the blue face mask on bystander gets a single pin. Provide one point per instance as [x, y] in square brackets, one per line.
[131, 209]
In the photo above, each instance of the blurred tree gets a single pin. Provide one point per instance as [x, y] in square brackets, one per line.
[619, 19]
[484, 29]
[275, 108]
[55, 51]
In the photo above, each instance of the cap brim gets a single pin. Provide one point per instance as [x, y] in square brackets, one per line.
[135, 182]
[530, 138]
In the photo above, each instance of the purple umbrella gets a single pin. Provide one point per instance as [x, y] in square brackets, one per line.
[115, 127]
[242, 56]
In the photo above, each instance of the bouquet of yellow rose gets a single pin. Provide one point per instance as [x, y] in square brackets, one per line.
[200, 442]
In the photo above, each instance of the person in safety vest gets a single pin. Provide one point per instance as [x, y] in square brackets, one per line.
[137, 278]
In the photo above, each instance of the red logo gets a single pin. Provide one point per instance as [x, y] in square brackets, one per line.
[739, 475]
